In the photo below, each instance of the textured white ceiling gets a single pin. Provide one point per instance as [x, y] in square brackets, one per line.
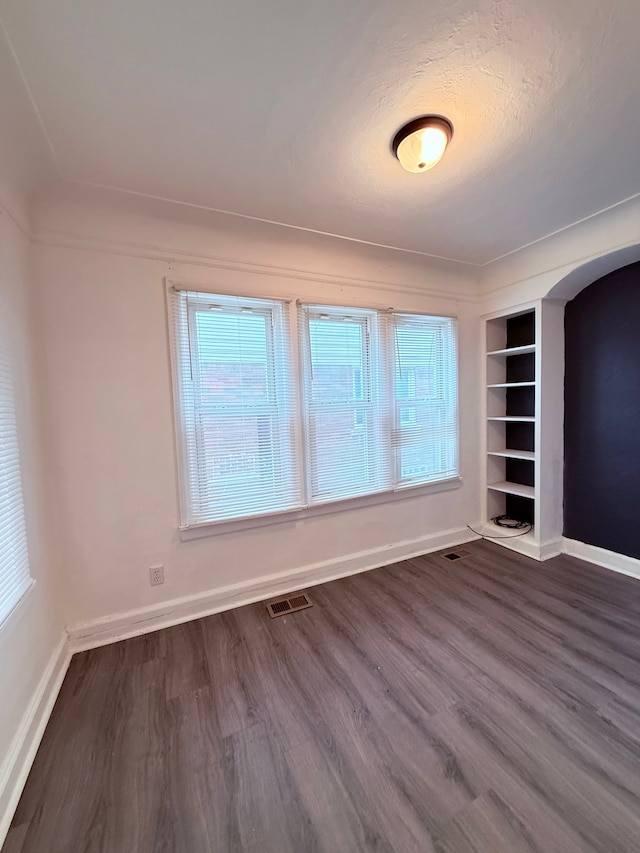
[285, 109]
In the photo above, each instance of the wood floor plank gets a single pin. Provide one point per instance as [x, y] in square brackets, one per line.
[336, 821]
[609, 825]
[266, 808]
[508, 824]
[486, 706]
[230, 671]
[488, 769]
[15, 839]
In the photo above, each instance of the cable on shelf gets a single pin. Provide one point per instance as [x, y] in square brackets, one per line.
[505, 521]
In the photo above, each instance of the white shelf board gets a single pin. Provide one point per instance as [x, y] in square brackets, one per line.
[514, 350]
[512, 489]
[513, 419]
[512, 385]
[514, 454]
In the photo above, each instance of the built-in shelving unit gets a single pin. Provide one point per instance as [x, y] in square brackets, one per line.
[523, 386]
[511, 388]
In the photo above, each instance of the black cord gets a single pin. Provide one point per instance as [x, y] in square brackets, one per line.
[500, 521]
[512, 523]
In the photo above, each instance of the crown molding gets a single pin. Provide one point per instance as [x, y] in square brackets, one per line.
[67, 240]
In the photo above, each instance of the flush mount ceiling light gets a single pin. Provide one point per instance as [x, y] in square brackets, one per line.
[420, 144]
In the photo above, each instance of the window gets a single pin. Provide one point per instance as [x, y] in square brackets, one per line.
[368, 406]
[14, 558]
[347, 410]
[236, 413]
[426, 399]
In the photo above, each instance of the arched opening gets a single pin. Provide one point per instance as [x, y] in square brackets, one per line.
[589, 272]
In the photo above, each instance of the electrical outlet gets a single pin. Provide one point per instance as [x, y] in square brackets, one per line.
[156, 575]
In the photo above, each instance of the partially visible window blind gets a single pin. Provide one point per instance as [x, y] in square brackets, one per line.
[235, 407]
[347, 403]
[14, 557]
[425, 435]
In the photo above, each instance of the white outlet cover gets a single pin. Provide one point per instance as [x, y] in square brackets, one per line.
[156, 575]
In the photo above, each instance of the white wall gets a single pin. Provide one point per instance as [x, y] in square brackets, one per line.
[30, 639]
[100, 279]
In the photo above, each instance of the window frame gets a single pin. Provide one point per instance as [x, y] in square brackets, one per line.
[188, 404]
[294, 343]
[376, 433]
[449, 405]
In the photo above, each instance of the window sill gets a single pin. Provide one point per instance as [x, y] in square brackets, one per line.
[218, 528]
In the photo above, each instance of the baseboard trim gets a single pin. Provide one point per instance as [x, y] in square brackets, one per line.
[17, 764]
[551, 549]
[100, 632]
[521, 544]
[525, 544]
[601, 557]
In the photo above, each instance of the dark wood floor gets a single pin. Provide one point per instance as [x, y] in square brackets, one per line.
[490, 705]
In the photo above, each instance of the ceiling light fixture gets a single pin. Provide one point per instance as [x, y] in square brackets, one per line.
[420, 144]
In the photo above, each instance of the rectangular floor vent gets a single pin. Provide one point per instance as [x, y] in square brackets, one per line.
[458, 554]
[289, 605]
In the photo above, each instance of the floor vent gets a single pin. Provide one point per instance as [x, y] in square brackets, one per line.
[289, 605]
[459, 554]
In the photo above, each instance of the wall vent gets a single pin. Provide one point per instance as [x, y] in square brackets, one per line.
[458, 554]
[289, 605]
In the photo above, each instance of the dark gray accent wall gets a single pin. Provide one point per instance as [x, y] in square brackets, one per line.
[602, 414]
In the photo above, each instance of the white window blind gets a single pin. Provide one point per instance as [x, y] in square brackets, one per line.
[14, 558]
[425, 434]
[346, 401]
[368, 404]
[236, 414]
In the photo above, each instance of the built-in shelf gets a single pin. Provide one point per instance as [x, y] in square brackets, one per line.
[512, 385]
[512, 399]
[513, 419]
[512, 489]
[523, 429]
[514, 454]
[514, 350]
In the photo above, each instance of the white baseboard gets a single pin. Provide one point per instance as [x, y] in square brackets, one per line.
[100, 632]
[601, 557]
[552, 549]
[16, 766]
[526, 544]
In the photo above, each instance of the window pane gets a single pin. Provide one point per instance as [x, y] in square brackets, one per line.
[337, 359]
[244, 464]
[421, 442]
[232, 357]
[419, 364]
[344, 452]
